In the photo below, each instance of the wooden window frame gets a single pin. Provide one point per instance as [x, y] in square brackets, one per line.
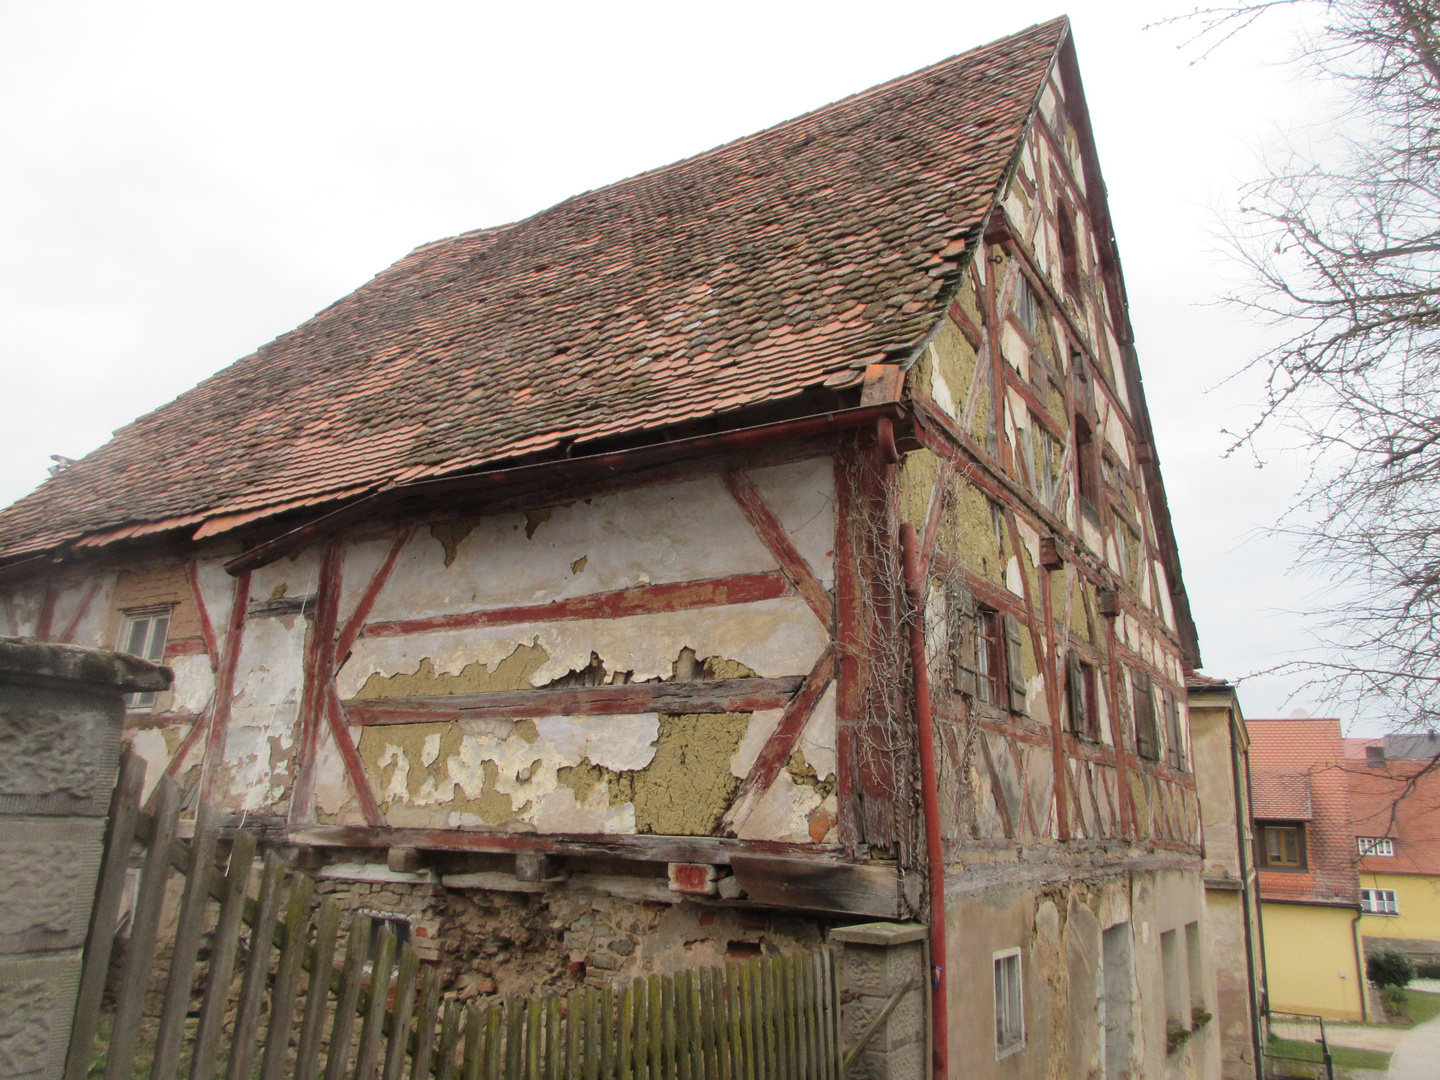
[1379, 847]
[153, 626]
[987, 656]
[1263, 831]
[1380, 902]
[1008, 973]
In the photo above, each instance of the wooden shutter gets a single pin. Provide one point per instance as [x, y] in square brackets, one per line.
[1173, 734]
[1075, 692]
[1015, 663]
[960, 612]
[1146, 742]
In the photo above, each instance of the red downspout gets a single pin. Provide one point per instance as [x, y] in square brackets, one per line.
[930, 795]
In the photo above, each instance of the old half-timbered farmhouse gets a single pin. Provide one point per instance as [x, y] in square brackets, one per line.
[558, 594]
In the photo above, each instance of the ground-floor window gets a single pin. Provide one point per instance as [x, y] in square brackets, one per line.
[1009, 1003]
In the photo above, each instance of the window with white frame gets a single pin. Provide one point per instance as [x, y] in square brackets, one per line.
[144, 636]
[1379, 902]
[1375, 845]
[1009, 1003]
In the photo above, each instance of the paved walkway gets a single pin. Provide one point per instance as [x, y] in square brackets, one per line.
[1418, 1055]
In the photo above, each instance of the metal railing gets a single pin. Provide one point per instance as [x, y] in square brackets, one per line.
[1296, 1047]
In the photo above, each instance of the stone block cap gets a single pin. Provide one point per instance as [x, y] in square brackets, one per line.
[23, 660]
[880, 933]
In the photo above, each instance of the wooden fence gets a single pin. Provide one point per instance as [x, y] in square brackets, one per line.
[261, 960]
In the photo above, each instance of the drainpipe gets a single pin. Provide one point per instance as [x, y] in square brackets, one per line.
[1246, 892]
[1360, 969]
[930, 796]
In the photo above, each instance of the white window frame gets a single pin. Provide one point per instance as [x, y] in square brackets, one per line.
[150, 646]
[1379, 902]
[1009, 981]
[1375, 845]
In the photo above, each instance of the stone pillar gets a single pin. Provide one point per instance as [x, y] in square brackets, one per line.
[877, 960]
[61, 712]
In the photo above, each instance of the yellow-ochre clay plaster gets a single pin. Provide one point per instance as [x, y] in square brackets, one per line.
[689, 785]
[450, 534]
[514, 672]
[974, 534]
[918, 471]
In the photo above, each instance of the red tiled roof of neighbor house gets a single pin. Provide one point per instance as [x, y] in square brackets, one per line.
[1400, 800]
[776, 265]
[1294, 758]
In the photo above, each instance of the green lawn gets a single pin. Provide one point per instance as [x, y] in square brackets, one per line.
[1298, 1053]
[1420, 1006]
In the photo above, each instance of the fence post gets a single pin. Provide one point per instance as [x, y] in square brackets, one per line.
[881, 961]
[61, 712]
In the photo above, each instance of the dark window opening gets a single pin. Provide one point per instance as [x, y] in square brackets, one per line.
[1069, 249]
[1081, 694]
[1087, 470]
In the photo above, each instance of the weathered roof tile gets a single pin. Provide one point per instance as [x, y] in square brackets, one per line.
[670, 296]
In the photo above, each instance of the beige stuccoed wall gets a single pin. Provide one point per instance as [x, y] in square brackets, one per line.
[1059, 928]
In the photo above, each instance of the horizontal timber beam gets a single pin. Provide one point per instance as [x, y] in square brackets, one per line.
[712, 696]
[639, 600]
[704, 849]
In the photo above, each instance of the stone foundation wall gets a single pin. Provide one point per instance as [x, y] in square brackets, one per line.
[495, 943]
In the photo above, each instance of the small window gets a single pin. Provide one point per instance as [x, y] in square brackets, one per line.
[1282, 847]
[1147, 740]
[1375, 845]
[989, 655]
[1009, 1003]
[1025, 308]
[144, 636]
[1379, 902]
[1375, 757]
[1081, 696]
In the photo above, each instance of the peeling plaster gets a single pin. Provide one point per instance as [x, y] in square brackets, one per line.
[774, 638]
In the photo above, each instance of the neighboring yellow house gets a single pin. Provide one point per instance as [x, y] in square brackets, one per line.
[1305, 852]
[1395, 809]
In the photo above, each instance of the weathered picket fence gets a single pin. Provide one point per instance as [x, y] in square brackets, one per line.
[274, 1005]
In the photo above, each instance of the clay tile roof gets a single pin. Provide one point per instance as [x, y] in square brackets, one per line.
[1294, 763]
[749, 274]
[1400, 800]
[1275, 797]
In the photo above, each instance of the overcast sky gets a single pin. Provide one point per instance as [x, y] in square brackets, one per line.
[183, 181]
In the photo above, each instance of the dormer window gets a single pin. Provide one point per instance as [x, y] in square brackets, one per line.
[1281, 845]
